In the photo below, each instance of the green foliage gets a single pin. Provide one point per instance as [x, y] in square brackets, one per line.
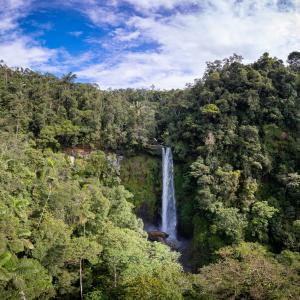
[230, 222]
[235, 135]
[261, 213]
[247, 271]
[141, 175]
[210, 109]
[59, 135]
[294, 60]
[59, 221]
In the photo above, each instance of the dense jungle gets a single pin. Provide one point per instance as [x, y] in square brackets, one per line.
[73, 229]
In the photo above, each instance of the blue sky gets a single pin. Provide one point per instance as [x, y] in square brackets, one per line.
[140, 43]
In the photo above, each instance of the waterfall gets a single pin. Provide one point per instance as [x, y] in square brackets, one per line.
[169, 217]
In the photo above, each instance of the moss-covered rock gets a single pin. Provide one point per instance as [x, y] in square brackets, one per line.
[141, 175]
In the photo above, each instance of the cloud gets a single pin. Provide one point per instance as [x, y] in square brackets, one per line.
[17, 49]
[186, 39]
[138, 43]
[20, 52]
[101, 15]
[76, 33]
[146, 5]
[10, 11]
[126, 36]
[135, 71]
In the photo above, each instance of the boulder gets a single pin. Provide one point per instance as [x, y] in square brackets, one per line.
[157, 236]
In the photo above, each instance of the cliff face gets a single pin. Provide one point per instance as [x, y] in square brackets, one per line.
[141, 174]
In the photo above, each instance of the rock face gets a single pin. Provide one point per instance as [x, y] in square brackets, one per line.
[82, 151]
[141, 175]
[154, 149]
[157, 236]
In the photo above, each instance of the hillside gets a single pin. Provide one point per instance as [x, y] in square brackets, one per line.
[72, 230]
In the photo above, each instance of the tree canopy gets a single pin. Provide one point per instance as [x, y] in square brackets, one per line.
[68, 229]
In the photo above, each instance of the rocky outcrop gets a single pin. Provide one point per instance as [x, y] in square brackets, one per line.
[153, 149]
[157, 236]
[81, 151]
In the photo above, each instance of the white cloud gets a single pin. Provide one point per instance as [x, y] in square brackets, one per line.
[10, 10]
[19, 52]
[146, 5]
[189, 34]
[76, 33]
[136, 70]
[126, 36]
[102, 16]
[16, 49]
[187, 39]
